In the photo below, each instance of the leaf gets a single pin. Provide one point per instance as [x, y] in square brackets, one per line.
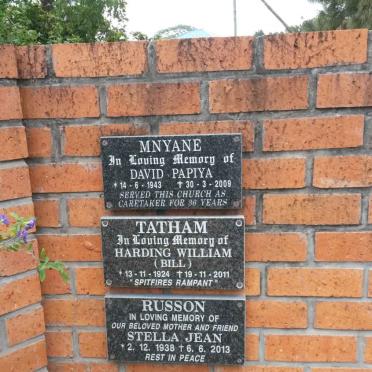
[12, 241]
[31, 22]
[42, 274]
[43, 254]
[65, 276]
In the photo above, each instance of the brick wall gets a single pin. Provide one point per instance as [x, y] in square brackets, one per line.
[303, 105]
[22, 327]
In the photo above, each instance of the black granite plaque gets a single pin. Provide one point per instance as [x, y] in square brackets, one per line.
[161, 172]
[170, 329]
[174, 252]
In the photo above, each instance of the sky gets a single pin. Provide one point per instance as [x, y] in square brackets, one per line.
[216, 16]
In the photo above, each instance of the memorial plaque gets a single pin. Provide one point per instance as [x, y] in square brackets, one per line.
[161, 172]
[174, 252]
[172, 329]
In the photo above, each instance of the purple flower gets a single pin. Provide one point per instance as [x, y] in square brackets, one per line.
[4, 219]
[30, 224]
[23, 234]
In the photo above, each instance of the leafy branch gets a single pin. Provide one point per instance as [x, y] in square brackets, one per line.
[15, 238]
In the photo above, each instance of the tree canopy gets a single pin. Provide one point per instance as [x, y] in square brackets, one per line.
[340, 14]
[58, 21]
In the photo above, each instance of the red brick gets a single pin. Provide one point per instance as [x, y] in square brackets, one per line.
[271, 247]
[204, 54]
[59, 344]
[82, 312]
[39, 141]
[312, 209]
[92, 344]
[310, 348]
[252, 282]
[8, 62]
[343, 315]
[274, 173]
[164, 368]
[249, 210]
[370, 283]
[54, 284]
[315, 282]
[313, 133]
[251, 368]
[10, 103]
[344, 90]
[67, 366]
[257, 369]
[370, 210]
[59, 102]
[72, 247]
[67, 177]
[246, 128]
[83, 140]
[47, 212]
[368, 350]
[31, 61]
[340, 369]
[275, 314]
[89, 281]
[82, 367]
[25, 326]
[14, 183]
[315, 49]
[87, 212]
[28, 359]
[343, 246]
[100, 59]
[17, 262]
[342, 171]
[153, 99]
[24, 209]
[191, 291]
[104, 367]
[13, 143]
[19, 293]
[263, 94]
[252, 344]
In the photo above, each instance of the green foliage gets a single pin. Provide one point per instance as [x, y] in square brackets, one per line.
[15, 237]
[58, 21]
[45, 264]
[259, 33]
[138, 35]
[340, 14]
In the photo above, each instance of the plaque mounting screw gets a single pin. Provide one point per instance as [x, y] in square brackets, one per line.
[108, 205]
[104, 143]
[239, 223]
[240, 361]
[108, 282]
[240, 305]
[104, 223]
[239, 285]
[236, 139]
[236, 204]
